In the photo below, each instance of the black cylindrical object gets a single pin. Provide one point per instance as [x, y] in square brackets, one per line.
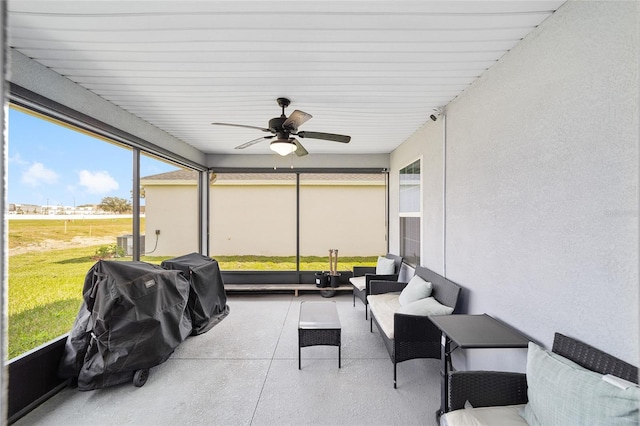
[335, 280]
[322, 279]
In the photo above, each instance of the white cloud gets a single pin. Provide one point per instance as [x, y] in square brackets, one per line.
[17, 159]
[97, 182]
[38, 174]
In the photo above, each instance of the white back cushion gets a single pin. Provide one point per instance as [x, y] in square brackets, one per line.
[385, 266]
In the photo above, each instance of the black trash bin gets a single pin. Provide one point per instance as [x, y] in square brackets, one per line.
[132, 317]
[207, 298]
[322, 279]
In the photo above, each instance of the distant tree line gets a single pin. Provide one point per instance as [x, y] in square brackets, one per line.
[115, 205]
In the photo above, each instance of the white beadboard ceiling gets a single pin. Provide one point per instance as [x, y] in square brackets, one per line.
[374, 70]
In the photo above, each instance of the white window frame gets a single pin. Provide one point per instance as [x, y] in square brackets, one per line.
[417, 214]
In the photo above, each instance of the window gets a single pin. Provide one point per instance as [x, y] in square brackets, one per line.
[344, 211]
[253, 221]
[169, 204]
[410, 213]
[70, 204]
[67, 207]
[289, 221]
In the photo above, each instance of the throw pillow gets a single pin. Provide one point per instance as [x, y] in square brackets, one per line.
[424, 307]
[416, 289]
[563, 393]
[385, 266]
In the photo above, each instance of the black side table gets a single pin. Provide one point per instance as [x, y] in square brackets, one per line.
[471, 332]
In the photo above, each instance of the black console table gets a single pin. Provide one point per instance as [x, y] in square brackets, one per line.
[471, 332]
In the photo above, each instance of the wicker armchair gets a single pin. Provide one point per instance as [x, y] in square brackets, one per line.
[486, 388]
[493, 388]
[369, 272]
[415, 336]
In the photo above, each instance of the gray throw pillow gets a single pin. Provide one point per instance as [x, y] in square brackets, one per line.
[563, 393]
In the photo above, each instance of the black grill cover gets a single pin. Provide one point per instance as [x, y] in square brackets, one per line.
[132, 317]
[207, 298]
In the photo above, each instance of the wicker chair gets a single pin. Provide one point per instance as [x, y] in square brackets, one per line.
[369, 272]
[415, 336]
[493, 388]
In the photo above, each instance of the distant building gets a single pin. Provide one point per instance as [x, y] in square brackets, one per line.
[55, 210]
[24, 209]
[71, 210]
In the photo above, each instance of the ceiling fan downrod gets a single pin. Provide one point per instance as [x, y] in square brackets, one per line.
[283, 102]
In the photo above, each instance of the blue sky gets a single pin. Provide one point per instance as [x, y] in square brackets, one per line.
[52, 163]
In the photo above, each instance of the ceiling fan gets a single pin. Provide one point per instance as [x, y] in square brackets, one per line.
[283, 127]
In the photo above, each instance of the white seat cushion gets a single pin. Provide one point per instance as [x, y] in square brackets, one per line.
[359, 282]
[383, 307]
[506, 415]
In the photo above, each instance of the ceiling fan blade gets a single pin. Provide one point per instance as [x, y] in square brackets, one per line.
[300, 151]
[296, 119]
[253, 142]
[325, 136]
[241, 125]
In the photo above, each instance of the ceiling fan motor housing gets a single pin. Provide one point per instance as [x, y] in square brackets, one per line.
[275, 124]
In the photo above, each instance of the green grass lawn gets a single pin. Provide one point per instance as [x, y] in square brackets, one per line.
[27, 232]
[45, 288]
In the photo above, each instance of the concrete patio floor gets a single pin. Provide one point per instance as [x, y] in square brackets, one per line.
[244, 371]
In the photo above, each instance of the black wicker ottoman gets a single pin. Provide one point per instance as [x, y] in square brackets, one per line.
[319, 324]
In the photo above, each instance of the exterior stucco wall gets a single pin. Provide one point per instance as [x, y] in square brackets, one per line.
[260, 219]
[174, 211]
[541, 218]
[253, 221]
[351, 219]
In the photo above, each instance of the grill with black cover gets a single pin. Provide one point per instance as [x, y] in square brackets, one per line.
[207, 298]
[132, 318]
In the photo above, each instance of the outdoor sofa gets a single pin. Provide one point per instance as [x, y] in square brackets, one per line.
[574, 384]
[387, 269]
[405, 328]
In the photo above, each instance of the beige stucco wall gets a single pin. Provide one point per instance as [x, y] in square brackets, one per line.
[258, 218]
[248, 219]
[173, 209]
[344, 217]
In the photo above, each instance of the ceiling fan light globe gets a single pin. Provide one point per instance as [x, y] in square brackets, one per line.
[283, 147]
